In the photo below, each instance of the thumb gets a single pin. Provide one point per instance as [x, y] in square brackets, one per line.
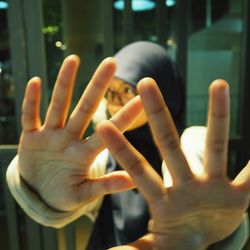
[243, 178]
[114, 182]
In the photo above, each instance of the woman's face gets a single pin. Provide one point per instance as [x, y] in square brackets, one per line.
[118, 94]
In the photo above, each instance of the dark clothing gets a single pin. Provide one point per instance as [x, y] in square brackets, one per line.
[123, 218]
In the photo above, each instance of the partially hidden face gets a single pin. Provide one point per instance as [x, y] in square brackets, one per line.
[118, 94]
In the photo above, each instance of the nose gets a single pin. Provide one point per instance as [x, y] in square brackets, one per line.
[116, 99]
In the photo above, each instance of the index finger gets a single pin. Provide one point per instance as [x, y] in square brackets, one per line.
[146, 179]
[215, 160]
[91, 98]
[164, 131]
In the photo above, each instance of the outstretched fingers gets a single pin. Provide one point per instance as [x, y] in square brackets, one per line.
[31, 106]
[215, 159]
[94, 92]
[145, 178]
[62, 93]
[164, 131]
[122, 120]
[127, 114]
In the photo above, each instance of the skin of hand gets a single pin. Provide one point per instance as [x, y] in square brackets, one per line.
[53, 159]
[197, 210]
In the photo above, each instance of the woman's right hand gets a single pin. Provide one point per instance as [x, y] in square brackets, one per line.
[52, 157]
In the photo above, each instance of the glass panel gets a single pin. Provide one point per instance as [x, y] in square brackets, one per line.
[214, 51]
[52, 31]
[118, 15]
[73, 27]
[8, 130]
[4, 237]
[170, 30]
[8, 133]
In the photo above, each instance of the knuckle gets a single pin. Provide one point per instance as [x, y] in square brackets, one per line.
[86, 107]
[136, 167]
[57, 105]
[169, 141]
[27, 116]
[92, 149]
[71, 133]
[218, 145]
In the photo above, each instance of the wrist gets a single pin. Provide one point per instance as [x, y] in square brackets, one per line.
[163, 242]
[176, 237]
[40, 197]
[170, 242]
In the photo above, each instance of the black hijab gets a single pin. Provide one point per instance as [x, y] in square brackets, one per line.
[146, 59]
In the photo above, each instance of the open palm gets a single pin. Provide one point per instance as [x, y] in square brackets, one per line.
[197, 210]
[52, 157]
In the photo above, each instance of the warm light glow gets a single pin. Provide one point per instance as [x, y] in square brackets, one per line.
[63, 47]
[58, 44]
[170, 42]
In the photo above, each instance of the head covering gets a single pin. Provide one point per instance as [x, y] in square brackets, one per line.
[146, 59]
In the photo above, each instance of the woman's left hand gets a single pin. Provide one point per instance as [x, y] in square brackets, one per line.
[196, 211]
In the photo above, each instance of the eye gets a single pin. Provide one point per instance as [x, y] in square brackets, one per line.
[109, 93]
[128, 90]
